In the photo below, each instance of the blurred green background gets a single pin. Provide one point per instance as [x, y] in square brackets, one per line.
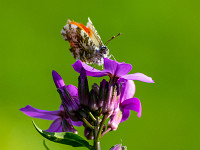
[159, 38]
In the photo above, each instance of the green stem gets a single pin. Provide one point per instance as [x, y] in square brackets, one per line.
[101, 127]
[92, 117]
[108, 130]
[97, 145]
[87, 123]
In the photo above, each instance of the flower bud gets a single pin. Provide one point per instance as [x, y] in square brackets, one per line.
[115, 119]
[118, 90]
[67, 126]
[58, 80]
[93, 101]
[107, 108]
[103, 92]
[112, 101]
[95, 87]
[83, 89]
[124, 148]
[88, 133]
[118, 147]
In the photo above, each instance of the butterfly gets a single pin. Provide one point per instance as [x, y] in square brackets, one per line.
[85, 43]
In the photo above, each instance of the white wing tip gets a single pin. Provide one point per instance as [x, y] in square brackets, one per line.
[89, 20]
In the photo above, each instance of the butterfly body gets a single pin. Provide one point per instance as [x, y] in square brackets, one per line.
[85, 43]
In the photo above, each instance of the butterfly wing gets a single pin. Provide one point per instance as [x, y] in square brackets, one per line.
[86, 44]
[93, 34]
[78, 35]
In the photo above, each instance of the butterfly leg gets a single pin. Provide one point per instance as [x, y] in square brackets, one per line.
[112, 57]
[93, 65]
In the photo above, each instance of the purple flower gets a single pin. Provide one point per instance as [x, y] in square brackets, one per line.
[61, 123]
[126, 104]
[113, 69]
[118, 147]
[118, 73]
[68, 95]
[66, 116]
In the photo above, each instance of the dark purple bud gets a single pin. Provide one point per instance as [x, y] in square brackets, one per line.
[83, 89]
[89, 133]
[115, 119]
[95, 87]
[67, 126]
[57, 80]
[107, 108]
[93, 101]
[103, 92]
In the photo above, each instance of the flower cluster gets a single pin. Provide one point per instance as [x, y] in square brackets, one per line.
[111, 100]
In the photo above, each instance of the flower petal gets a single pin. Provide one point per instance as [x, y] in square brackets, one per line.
[123, 69]
[57, 79]
[56, 126]
[61, 107]
[73, 90]
[117, 147]
[138, 76]
[42, 114]
[110, 66]
[125, 114]
[132, 104]
[127, 90]
[115, 119]
[116, 68]
[77, 123]
[90, 71]
[67, 125]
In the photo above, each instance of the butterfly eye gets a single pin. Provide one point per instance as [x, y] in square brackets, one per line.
[104, 50]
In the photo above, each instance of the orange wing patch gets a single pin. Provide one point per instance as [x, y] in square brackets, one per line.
[71, 44]
[84, 28]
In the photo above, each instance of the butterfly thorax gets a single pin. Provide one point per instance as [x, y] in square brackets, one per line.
[101, 53]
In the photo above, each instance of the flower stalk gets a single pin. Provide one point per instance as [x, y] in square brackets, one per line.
[96, 145]
[101, 127]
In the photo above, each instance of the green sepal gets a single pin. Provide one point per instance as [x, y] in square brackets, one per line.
[66, 138]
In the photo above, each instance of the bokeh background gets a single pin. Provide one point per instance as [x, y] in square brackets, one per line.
[159, 38]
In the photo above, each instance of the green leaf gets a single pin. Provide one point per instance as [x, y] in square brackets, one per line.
[66, 138]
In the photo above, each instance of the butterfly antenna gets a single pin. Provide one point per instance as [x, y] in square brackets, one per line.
[112, 38]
